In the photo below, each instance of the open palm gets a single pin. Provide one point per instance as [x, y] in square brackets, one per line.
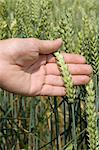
[27, 67]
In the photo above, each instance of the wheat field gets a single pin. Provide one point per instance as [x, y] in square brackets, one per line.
[53, 123]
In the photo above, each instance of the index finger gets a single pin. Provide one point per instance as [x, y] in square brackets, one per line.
[69, 58]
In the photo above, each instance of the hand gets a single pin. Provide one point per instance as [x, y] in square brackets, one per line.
[27, 67]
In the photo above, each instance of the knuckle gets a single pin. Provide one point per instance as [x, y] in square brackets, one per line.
[33, 43]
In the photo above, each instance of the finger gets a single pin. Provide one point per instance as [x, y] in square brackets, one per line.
[52, 69]
[80, 69]
[48, 46]
[54, 80]
[69, 58]
[74, 69]
[57, 80]
[49, 90]
[80, 80]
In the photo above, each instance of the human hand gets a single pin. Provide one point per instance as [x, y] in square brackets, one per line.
[27, 67]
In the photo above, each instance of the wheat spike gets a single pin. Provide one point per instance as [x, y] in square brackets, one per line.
[66, 76]
[91, 116]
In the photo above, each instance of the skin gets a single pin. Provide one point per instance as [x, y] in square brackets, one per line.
[27, 67]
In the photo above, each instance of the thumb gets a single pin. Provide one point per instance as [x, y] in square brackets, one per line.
[49, 46]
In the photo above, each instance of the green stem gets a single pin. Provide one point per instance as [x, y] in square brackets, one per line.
[74, 128]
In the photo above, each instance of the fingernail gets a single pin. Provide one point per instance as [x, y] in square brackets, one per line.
[59, 39]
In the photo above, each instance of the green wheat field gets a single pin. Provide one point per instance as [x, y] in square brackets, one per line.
[53, 123]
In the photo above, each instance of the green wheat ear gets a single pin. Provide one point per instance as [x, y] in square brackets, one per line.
[23, 18]
[91, 116]
[34, 11]
[66, 76]
[43, 29]
[19, 20]
[3, 10]
[64, 29]
[3, 30]
[94, 54]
